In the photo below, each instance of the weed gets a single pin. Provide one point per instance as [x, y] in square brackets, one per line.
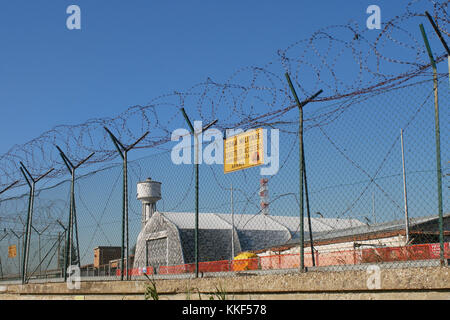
[220, 293]
[150, 290]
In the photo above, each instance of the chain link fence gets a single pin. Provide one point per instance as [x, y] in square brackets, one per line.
[370, 188]
[355, 208]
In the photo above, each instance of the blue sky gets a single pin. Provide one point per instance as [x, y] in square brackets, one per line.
[127, 54]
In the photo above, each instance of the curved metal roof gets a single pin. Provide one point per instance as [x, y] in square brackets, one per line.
[186, 220]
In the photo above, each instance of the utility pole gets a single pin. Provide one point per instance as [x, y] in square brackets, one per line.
[196, 161]
[404, 190]
[438, 145]
[31, 183]
[302, 171]
[123, 151]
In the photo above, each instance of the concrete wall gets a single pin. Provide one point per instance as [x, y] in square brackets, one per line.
[406, 283]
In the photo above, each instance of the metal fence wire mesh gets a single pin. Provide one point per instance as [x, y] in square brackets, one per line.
[355, 188]
[357, 140]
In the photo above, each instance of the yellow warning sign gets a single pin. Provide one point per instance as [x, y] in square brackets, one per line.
[12, 251]
[244, 150]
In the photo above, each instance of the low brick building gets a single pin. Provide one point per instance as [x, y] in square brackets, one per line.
[381, 242]
[103, 255]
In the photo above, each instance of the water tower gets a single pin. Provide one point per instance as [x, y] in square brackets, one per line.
[148, 192]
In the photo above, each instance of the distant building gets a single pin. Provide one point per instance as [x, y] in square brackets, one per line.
[167, 238]
[103, 255]
[116, 263]
[381, 242]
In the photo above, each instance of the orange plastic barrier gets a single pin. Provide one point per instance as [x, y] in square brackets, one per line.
[292, 261]
[414, 252]
[336, 258]
[208, 266]
[137, 271]
[289, 261]
[245, 264]
[350, 257]
[183, 268]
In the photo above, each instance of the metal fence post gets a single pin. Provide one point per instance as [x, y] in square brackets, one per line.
[123, 151]
[39, 246]
[72, 213]
[308, 212]
[300, 139]
[191, 127]
[64, 270]
[2, 191]
[438, 145]
[1, 267]
[438, 33]
[31, 183]
[300, 106]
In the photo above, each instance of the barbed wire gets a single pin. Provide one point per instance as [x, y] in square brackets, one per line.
[253, 95]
